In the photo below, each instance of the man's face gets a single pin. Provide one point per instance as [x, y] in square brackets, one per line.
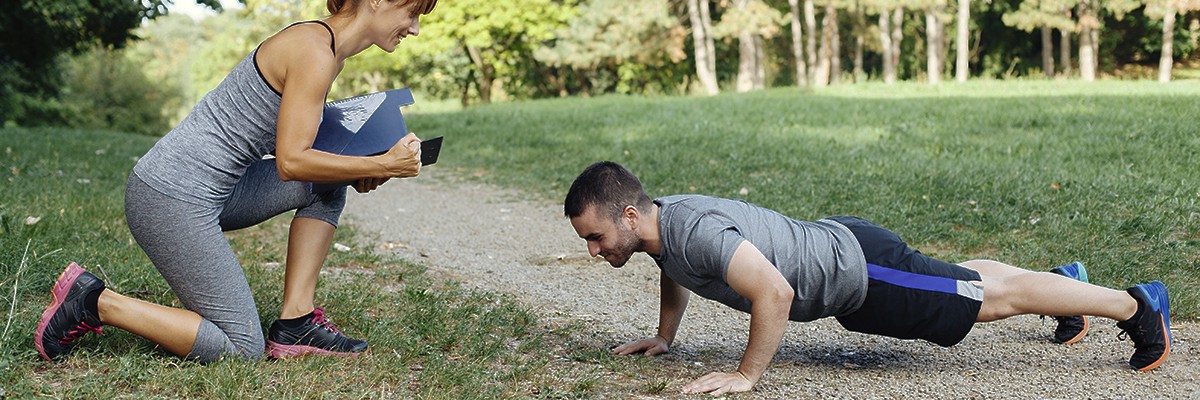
[614, 240]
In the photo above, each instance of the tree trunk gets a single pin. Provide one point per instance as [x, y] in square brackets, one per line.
[810, 47]
[1047, 53]
[466, 92]
[885, 39]
[824, 64]
[859, 73]
[897, 36]
[702, 43]
[1087, 61]
[835, 46]
[749, 56]
[750, 64]
[1064, 52]
[933, 45]
[487, 75]
[798, 44]
[706, 20]
[1167, 60]
[1087, 56]
[860, 27]
[961, 67]
[760, 63]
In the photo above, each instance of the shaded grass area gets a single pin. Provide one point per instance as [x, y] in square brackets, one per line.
[1033, 173]
[63, 201]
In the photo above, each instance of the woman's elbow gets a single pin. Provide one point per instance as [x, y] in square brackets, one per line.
[287, 170]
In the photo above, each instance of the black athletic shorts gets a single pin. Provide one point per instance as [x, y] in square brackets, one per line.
[911, 295]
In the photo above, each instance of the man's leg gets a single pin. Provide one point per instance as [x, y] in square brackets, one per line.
[1017, 291]
[1142, 311]
[1071, 328]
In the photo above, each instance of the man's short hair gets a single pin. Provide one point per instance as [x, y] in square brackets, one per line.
[608, 185]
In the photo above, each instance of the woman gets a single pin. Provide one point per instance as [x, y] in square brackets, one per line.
[209, 175]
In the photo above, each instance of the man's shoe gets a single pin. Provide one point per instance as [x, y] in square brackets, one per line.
[1072, 328]
[313, 334]
[71, 314]
[1150, 327]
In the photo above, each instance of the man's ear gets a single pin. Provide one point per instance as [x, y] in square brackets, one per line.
[631, 214]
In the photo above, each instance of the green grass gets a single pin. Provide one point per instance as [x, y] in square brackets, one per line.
[1033, 173]
[429, 339]
[1036, 173]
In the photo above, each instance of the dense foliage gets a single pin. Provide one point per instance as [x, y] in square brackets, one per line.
[473, 51]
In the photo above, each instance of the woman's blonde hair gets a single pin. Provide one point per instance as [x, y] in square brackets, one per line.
[422, 7]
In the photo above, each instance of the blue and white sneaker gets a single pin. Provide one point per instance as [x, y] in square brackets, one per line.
[1072, 328]
[1150, 327]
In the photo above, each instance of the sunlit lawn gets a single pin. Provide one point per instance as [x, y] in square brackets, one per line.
[1035, 173]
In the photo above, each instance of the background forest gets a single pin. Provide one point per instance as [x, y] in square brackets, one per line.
[130, 65]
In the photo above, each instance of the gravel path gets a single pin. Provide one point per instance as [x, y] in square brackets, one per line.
[501, 241]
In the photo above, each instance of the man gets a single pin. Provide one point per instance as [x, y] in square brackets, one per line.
[780, 269]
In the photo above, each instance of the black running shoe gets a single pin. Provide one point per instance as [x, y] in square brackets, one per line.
[1072, 328]
[1150, 327]
[70, 315]
[315, 335]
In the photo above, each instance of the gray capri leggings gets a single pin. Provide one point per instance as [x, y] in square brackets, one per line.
[186, 244]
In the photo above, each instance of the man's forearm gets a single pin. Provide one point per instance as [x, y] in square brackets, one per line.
[768, 321]
[670, 313]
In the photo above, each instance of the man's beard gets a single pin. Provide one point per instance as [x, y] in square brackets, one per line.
[628, 245]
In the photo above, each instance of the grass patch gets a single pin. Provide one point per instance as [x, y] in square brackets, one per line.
[429, 339]
[1034, 173]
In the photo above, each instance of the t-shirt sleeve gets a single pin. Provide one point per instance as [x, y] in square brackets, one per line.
[711, 242]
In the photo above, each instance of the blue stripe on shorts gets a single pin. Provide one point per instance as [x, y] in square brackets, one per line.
[924, 282]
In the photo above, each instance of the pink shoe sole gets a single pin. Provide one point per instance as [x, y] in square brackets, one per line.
[59, 293]
[282, 351]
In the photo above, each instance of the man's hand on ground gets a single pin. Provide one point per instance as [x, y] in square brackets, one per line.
[651, 346]
[718, 383]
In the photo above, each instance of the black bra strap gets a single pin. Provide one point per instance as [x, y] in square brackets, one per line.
[331, 48]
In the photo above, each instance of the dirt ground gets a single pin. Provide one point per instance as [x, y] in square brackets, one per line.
[502, 241]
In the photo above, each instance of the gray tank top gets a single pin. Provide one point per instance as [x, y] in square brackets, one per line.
[232, 127]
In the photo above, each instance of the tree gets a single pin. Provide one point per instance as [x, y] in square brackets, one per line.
[596, 45]
[935, 46]
[798, 42]
[810, 47]
[961, 47]
[1166, 10]
[1089, 26]
[891, 18]
[750, 21]
[498, 36]
[828, 66]
[860, 28]
[33, 33]
[702, 43]
[107, 89]
[1064, 46]
[1042, 15]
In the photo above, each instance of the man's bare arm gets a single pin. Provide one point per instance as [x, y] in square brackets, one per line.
[670, 313]
[754, 277]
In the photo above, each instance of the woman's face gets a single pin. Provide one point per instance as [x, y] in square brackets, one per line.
[394, 20]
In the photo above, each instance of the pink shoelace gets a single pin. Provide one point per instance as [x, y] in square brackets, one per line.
[319, 319]
[80, 330]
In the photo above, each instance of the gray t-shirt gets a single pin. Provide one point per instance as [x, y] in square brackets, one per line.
[232, 127]
[821, 260]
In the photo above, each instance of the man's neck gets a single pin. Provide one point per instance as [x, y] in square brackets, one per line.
[648, 232]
